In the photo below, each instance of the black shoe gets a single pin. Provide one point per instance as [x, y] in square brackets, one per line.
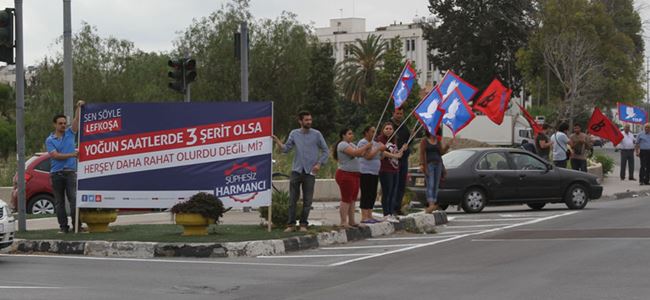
[622, 178]
[641, 183]
[632, 178]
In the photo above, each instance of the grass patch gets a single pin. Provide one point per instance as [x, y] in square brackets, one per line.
[171, 233]
[33, 216]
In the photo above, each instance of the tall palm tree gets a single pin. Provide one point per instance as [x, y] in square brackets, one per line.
[358, 71]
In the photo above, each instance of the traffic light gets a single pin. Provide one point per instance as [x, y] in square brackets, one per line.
[7, 35]
[177, 73]
[183, 72]
[190, 71]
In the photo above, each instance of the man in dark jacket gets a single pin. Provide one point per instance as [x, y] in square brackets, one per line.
[403, 135]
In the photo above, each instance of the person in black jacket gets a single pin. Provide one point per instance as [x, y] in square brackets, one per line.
[403, 135]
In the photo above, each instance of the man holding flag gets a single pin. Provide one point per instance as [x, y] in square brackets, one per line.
[403, 135]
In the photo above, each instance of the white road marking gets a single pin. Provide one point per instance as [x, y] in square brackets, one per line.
[8, 287]
[561, 239]
[437, 236]
[163, 260]
[314, 255]
[492, 220]
[452, 238]
[367, 247]
[472, 226]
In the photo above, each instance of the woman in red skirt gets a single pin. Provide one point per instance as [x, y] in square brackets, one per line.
[347, 174]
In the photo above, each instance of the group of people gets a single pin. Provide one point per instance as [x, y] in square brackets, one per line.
[560, 147]
[379, 158]
[640, 146]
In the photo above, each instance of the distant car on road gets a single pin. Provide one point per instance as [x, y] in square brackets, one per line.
[7, 226]
[500, 176]
[38, 187]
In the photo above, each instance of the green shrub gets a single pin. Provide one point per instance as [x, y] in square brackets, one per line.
[606, 161]
[208, 205]
[280, 214]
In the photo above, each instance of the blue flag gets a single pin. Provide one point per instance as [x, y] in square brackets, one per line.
[430, 112]
[632, 114]
[458, 113]
[451, 81]
[404, 85]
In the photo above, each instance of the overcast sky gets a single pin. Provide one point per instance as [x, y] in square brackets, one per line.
[153, 24]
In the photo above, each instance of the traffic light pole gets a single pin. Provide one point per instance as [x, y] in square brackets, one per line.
[20, 115]
[244, 61]
[67, 61]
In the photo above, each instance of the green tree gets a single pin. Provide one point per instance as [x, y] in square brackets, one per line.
[583, 56]
[479, 39]
[321, 95]
[358, 71]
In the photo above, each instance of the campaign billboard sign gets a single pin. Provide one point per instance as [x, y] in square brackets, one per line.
[154, 155]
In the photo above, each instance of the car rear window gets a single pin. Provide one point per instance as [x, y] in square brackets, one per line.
[456, 158]
[43, 166]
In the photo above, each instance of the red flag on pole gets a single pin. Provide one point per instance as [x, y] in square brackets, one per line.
[536, 128]
[494, 101]
[600, 125]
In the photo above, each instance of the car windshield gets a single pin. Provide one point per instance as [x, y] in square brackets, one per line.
[456, 158]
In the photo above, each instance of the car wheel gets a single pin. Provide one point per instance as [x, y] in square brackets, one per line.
[576, 197]
[41, 205]
[474, 200]
[536, 206]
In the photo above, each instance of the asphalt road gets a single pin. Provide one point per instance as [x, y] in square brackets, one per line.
[601, 252]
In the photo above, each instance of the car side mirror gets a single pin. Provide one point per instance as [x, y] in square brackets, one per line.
[549, 167]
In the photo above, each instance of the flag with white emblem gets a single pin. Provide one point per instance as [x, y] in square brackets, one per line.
[458, 113]
[404, 85]
[430, 112]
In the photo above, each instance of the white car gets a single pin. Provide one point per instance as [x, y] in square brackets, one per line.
[7, 226]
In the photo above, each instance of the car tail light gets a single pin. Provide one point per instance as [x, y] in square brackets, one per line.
[28, 177]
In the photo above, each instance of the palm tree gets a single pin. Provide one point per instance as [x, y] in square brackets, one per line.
[358, 71]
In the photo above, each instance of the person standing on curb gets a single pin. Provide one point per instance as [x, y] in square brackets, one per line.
[60, 144]
[643, 152]
[431, 150]
[389, 172]
[347, 174]
[403, 135]
[369, 166]
[560, 146]
[580, 143]
[311, 154]
[543, 144]
[627, 152]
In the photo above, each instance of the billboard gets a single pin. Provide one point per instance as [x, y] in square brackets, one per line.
[154, 155]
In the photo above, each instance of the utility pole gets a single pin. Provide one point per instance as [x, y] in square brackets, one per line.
[67, 61]
[20, 115]
[244, 61]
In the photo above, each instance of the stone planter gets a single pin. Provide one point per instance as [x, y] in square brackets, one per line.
[98, 221]
[193, 224]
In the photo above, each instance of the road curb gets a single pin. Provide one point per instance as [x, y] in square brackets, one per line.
[417, 223]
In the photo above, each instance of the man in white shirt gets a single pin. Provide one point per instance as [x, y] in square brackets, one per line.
[627, 152]
[560, 146]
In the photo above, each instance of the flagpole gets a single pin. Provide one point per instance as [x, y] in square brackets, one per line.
[408, 61]
[416, 129]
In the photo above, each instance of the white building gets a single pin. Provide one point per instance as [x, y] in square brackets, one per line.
[8, 74]
[345, 31]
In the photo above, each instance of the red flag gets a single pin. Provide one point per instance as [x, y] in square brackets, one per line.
[494, 101]
[536, 128]
[600, 125]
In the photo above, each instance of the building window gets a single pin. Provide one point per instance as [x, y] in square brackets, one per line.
[413, 45]
[347, 50]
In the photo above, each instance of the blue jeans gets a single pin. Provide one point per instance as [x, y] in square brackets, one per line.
[401, 184]
[64, 183]
[389, 183]
[434, 172]
[295, 181]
